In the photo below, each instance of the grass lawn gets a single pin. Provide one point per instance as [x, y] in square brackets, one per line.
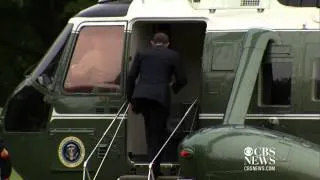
[14, 175]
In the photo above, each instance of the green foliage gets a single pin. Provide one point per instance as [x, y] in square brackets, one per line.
[15, 176]
[76, 6]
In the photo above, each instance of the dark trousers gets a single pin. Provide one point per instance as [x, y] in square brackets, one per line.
[155, 118]
[5, 168]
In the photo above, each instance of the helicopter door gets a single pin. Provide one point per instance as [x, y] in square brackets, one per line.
[91, 91]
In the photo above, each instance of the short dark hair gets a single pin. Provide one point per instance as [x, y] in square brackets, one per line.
[160, 37]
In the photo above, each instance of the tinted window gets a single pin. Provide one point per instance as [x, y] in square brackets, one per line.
[27, 111]
[316, 69]
[54, 52]
[276, 83]
[97, 60]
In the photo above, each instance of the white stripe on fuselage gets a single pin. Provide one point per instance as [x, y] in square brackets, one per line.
[212, 116]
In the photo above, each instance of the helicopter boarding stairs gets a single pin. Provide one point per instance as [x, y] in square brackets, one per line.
[192, 110]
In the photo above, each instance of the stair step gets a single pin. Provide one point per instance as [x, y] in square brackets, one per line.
[144, 177]
[164, 165]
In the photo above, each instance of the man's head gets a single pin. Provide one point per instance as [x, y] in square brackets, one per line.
[160, 39]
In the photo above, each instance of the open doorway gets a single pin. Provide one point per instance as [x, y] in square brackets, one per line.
[187, 38]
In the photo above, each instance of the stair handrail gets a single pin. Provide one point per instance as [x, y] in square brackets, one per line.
[150, 173]
[85, 169]
[111, 142]
[194, 118]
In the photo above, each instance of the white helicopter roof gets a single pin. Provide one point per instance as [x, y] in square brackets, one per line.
[223, 15]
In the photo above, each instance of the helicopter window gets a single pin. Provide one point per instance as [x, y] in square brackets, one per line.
[26, 110]
[97, 60]
[317, 79]
[53, 53]
[45, 70]
[276, 83]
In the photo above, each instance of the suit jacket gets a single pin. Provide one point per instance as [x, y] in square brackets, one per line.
[155, 68]
[5, 163]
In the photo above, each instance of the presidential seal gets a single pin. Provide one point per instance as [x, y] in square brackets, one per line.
[71, 152]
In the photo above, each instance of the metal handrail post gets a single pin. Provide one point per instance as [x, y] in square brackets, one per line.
[84, 172]
[88, 174]
[194, 118]
[110, 144]
[150, 165]
[104, 134]
[150, 173]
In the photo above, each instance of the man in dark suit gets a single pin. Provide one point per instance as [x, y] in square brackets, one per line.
[5, 162]
[151, 95]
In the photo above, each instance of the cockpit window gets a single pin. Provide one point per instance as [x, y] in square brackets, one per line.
[96, 62]
[54, 52]
[26, 110]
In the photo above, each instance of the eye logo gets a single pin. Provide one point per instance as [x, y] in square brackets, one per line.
[248, 151]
